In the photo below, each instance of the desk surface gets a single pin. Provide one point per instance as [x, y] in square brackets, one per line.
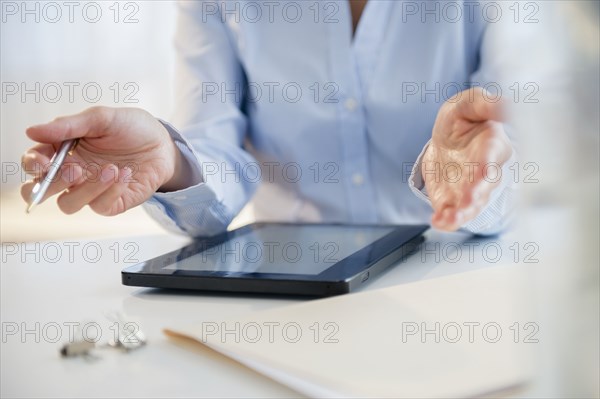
[48, 286]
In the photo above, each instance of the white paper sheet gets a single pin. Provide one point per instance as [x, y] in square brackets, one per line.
[366, 345]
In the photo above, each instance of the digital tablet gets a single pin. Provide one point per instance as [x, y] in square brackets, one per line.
[281, 258]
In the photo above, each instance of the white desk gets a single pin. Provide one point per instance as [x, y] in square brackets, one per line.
[76, 290]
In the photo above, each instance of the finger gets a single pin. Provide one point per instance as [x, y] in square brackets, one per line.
[36, 159]
[68, 176]
[89, 123]
[443, 196]
[82, 194]
[449, 215]
[448, 219]
[476, 200]
[110, 203]
[478, 105]
[444, 215]
[478, 186]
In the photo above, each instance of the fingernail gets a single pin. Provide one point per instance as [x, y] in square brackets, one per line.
[29, 158]
[108, 173]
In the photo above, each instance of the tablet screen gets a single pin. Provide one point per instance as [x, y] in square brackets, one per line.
[283, 249]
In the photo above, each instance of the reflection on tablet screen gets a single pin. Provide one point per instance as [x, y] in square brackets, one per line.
[284, 249]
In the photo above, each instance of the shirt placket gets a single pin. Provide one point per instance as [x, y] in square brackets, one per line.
[350, 67]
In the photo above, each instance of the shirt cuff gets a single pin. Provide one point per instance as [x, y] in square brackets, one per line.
[166, 207]
[185, 211]
[415, 181]
[500, 204]
[499, 212]
[187, 150]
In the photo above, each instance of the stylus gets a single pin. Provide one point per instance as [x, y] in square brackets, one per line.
[57, 161]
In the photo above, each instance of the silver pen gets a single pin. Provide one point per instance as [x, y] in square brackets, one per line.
[57, 161]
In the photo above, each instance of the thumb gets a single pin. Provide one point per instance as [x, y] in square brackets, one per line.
[478, 105]
[92, 122]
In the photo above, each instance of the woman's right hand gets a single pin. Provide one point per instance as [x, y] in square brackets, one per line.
[123, 157]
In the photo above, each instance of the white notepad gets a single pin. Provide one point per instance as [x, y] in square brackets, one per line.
[371, 344]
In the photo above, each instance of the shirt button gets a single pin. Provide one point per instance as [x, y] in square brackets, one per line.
[180, 198]
[358, 179]
[351, 104]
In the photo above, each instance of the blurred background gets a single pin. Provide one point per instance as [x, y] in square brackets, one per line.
[57, 61]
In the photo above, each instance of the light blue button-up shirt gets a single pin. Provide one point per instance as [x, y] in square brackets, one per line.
[281, 97]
